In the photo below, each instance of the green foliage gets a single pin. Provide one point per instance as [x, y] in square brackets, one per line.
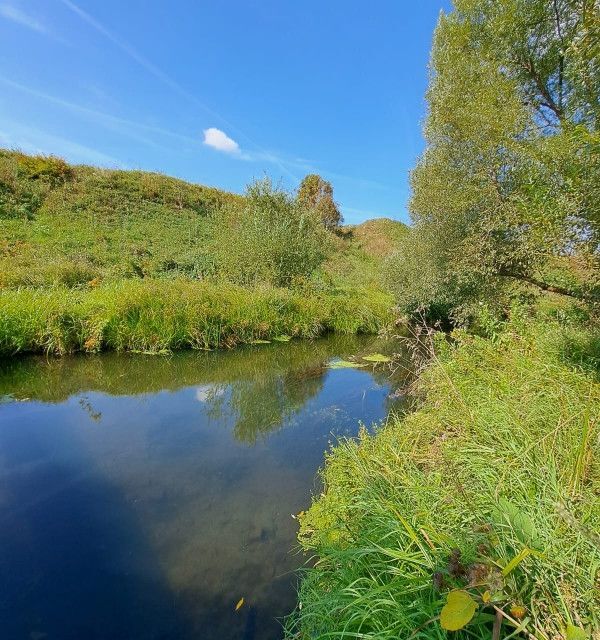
[71, 225]
[507, 189]
[316, 194]
[62, 222]
[272, 238]
[157, 316]
[109, 234]
[50, 169]
[488, 491]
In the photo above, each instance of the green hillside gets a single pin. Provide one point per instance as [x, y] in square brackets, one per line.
[70, 225]
[98, 255]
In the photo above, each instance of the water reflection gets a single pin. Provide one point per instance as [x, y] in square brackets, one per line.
[142, 497]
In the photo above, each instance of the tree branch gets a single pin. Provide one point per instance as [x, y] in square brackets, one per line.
[548, 101]
[561, 59]
[544, 286]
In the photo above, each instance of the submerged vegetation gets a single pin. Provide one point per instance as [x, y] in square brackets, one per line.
[477, 515]
[95, 259]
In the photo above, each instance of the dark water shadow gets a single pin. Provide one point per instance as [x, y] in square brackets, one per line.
[74, 562]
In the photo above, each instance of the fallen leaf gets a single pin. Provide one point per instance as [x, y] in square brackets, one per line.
[240, 604]
[458, 610]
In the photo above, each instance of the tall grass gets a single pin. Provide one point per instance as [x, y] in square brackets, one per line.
[158, 315]
[492, 486]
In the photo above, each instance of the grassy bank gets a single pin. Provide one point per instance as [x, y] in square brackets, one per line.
[94, 259]
[490, 489]
[160, 315]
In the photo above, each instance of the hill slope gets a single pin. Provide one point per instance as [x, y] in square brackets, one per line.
[70, 225]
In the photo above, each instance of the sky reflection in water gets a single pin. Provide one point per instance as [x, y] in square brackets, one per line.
[142, 497]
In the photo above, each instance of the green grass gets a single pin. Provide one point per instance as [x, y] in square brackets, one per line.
[68, 225]
[96, 259]
[501, 462]
[158, 315]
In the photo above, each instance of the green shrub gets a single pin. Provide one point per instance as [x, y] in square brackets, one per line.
[47, 168]
[271, 239]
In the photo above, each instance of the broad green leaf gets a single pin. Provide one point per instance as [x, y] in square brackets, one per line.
[260, 342]
[521, 523]
[376, 357]
[345, 364]
[576, 633]
[282, 338]
[458, 610]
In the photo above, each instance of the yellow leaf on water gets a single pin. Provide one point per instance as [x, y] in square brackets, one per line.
[240, 604]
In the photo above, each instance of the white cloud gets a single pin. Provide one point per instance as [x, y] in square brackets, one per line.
[175, 86]
[220, 141]
[15, 14]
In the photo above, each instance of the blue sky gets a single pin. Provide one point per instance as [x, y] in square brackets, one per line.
[223, 92]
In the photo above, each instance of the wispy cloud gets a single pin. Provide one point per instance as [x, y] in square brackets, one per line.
[32, 140]
[18, 16]
[124, 126]
[163, 77]
[10, 12]
[220, 141]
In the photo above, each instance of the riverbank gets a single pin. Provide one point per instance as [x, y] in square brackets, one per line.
[155, 316]
[488, 491]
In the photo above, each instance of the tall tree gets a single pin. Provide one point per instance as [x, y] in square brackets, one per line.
[510, 178]
[317, 194]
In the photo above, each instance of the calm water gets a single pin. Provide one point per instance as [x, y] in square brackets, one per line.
[142, 497]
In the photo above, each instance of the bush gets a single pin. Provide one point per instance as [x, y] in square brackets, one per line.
[48, 168]
[271, 239]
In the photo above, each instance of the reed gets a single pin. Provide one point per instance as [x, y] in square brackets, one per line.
[157, 316]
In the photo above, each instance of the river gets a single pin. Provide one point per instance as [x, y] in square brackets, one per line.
[143, 497]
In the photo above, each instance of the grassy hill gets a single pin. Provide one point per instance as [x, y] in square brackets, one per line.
[71, 224]
[97, 254]
[63, 224]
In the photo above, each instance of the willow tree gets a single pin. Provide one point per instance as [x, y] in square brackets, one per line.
[509, 183]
